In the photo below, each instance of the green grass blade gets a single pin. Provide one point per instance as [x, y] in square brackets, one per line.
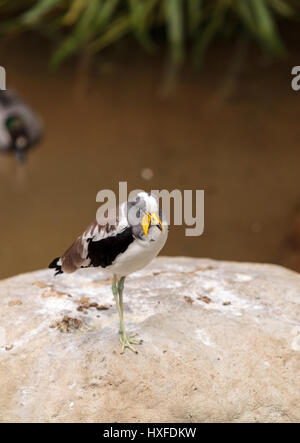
[257, 16]
[37, 11]
[107, 10]
[83, 31]
[140, 15]
[243, 8]
[194, 15]
[76, 8]
[119, 28]
[175, 29]
[283, 8]
[205, 38]
[266, 28]
[214, 17]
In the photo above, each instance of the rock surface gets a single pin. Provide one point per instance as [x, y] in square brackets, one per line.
[221, 343]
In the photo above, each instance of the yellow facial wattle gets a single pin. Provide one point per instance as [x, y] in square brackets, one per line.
[146, 220]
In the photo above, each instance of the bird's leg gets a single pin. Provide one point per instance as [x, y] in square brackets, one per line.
[126, 340]
[120, 290]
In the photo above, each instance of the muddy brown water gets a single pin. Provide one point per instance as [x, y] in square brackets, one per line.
[238, 139]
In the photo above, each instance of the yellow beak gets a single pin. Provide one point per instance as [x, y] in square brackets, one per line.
[151, 218]
[155, 220]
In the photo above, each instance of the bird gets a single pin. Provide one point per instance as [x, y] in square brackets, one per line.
[122, 242]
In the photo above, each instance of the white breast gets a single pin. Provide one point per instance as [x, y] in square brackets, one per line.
[139, 253]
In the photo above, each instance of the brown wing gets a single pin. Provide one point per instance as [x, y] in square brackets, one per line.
[76, 256]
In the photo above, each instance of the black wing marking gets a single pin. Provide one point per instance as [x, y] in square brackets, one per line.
[104, 252]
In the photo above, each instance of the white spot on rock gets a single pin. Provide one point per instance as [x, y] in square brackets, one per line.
[242, 277]
[203, 336]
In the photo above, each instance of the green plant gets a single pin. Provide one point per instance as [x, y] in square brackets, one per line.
[92, 25]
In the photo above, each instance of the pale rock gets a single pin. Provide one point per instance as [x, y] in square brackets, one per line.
[221, 343]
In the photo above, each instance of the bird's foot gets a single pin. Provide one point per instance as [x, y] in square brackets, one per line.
[128, 340]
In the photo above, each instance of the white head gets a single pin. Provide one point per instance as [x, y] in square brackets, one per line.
[143, 213]
[150, 200]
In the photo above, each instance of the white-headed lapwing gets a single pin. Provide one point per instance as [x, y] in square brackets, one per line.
[128, 243]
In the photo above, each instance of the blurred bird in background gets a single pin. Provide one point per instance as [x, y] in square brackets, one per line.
[20, 128]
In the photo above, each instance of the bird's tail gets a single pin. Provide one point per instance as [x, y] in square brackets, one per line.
[56, 264]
